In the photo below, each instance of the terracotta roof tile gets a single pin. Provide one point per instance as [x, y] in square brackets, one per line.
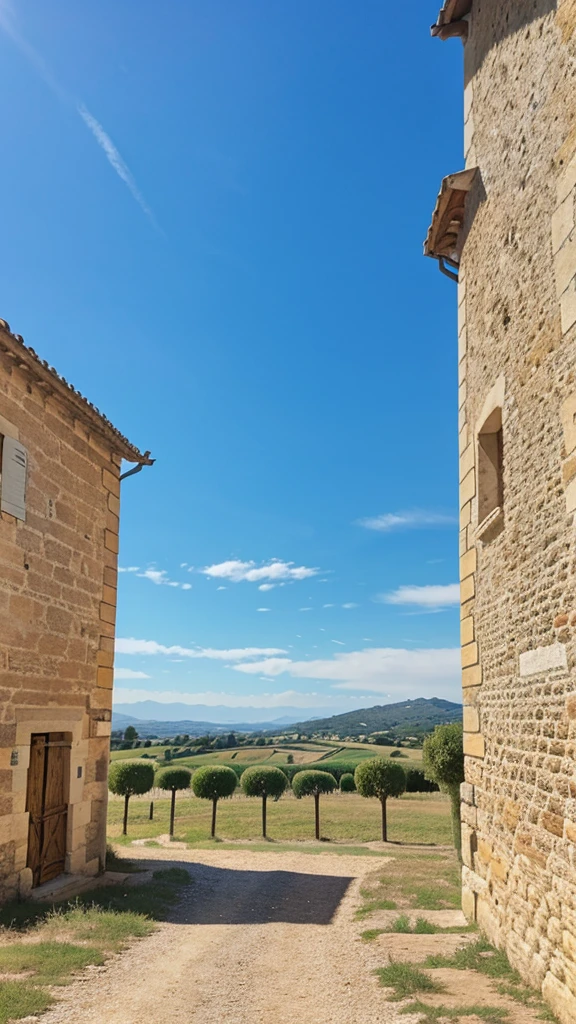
[47, 378]
[453, 11]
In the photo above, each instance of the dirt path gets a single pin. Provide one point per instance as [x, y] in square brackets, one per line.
[259, 938]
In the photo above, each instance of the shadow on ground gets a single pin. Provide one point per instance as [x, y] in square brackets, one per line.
[226, 896]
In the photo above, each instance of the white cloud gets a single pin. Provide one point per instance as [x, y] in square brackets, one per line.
[128, 673]
[129, 568]
[221, 588]
[406, 520]
[350, 604]
[388, 670]
[129, 645]
[274, 570]
[306, 609]
[263, 609]
[264, 586]
[424, 597]
[160, 578]
[327, 605]
[341, 642]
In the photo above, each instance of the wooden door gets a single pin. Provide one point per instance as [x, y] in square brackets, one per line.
[46, 804]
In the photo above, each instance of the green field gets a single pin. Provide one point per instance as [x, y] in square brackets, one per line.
[415, 818]
[301, 753]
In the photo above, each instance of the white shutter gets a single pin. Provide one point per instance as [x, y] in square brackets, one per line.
[13, 483]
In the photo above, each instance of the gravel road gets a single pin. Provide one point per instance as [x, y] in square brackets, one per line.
[259, 938]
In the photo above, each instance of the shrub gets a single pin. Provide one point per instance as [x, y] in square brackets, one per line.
[290, 759]
[416, 782]
[347, 784]
[173, 779]
[212, 782]
[264, 781]
[443, 757]
[130, 778]
[381, 778]
[313, 783]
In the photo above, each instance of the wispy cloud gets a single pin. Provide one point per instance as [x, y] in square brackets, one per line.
[9, 25]
[128, 568]
[427, 671]
[285, 698]
[130, 645]
[415, 519]
[263, 609]
[128, 673]
[114, 158]
[350, 604]
[270, 572]
[424, 597]
[157, 576]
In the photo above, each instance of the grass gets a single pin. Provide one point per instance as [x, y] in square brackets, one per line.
[50, 963]
[431, 1014]
[419, 880]
[406, 980]
[415, 818]
[422, 926]
[20, 999]
[478, 956]
[63, 938]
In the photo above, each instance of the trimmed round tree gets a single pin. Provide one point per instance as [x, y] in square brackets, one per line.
[313, 783]
[380, 778]
[130, 778]
[173, 779]
[443, 757]
[212, 782]
[347, 784]
[263, 781]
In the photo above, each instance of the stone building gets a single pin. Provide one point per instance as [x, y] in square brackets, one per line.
[504, 226]
[59, 509]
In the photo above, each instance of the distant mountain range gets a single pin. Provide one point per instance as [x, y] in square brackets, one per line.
[409, 717]
[153, 718]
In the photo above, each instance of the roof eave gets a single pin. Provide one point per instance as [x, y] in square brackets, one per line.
[444, 237]
[50, 381]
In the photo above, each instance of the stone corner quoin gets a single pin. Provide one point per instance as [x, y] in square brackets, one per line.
[517, 432]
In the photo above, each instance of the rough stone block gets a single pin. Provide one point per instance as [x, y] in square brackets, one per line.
[471, 719]
[467, 589]
[468, 563]
[474, 744]
[543, 659]
[468, 485]
[469, 904]
[565, 264]
[469, 655]
[568, 307]
[553, 823]
[562, 222]
[560, 998]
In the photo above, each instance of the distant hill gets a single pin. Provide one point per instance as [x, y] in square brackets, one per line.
[221, 714]
[408, 718]
[155, 719]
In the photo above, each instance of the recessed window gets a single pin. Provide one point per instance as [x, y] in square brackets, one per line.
[490, 467]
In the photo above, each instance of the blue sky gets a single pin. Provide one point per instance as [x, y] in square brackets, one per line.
[213, 219]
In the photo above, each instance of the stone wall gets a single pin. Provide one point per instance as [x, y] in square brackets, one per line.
[58, 578]
[517, 353]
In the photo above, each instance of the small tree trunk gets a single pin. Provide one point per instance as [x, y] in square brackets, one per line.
[384, 822]
[317, 813]
[125, 825]
[151, 815]
[454, 793]
[264, 816]
[214, 805]
[172, 812]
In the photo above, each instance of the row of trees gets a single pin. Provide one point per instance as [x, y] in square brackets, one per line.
[379, 778]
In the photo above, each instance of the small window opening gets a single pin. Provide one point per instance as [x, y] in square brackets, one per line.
[490, 466]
